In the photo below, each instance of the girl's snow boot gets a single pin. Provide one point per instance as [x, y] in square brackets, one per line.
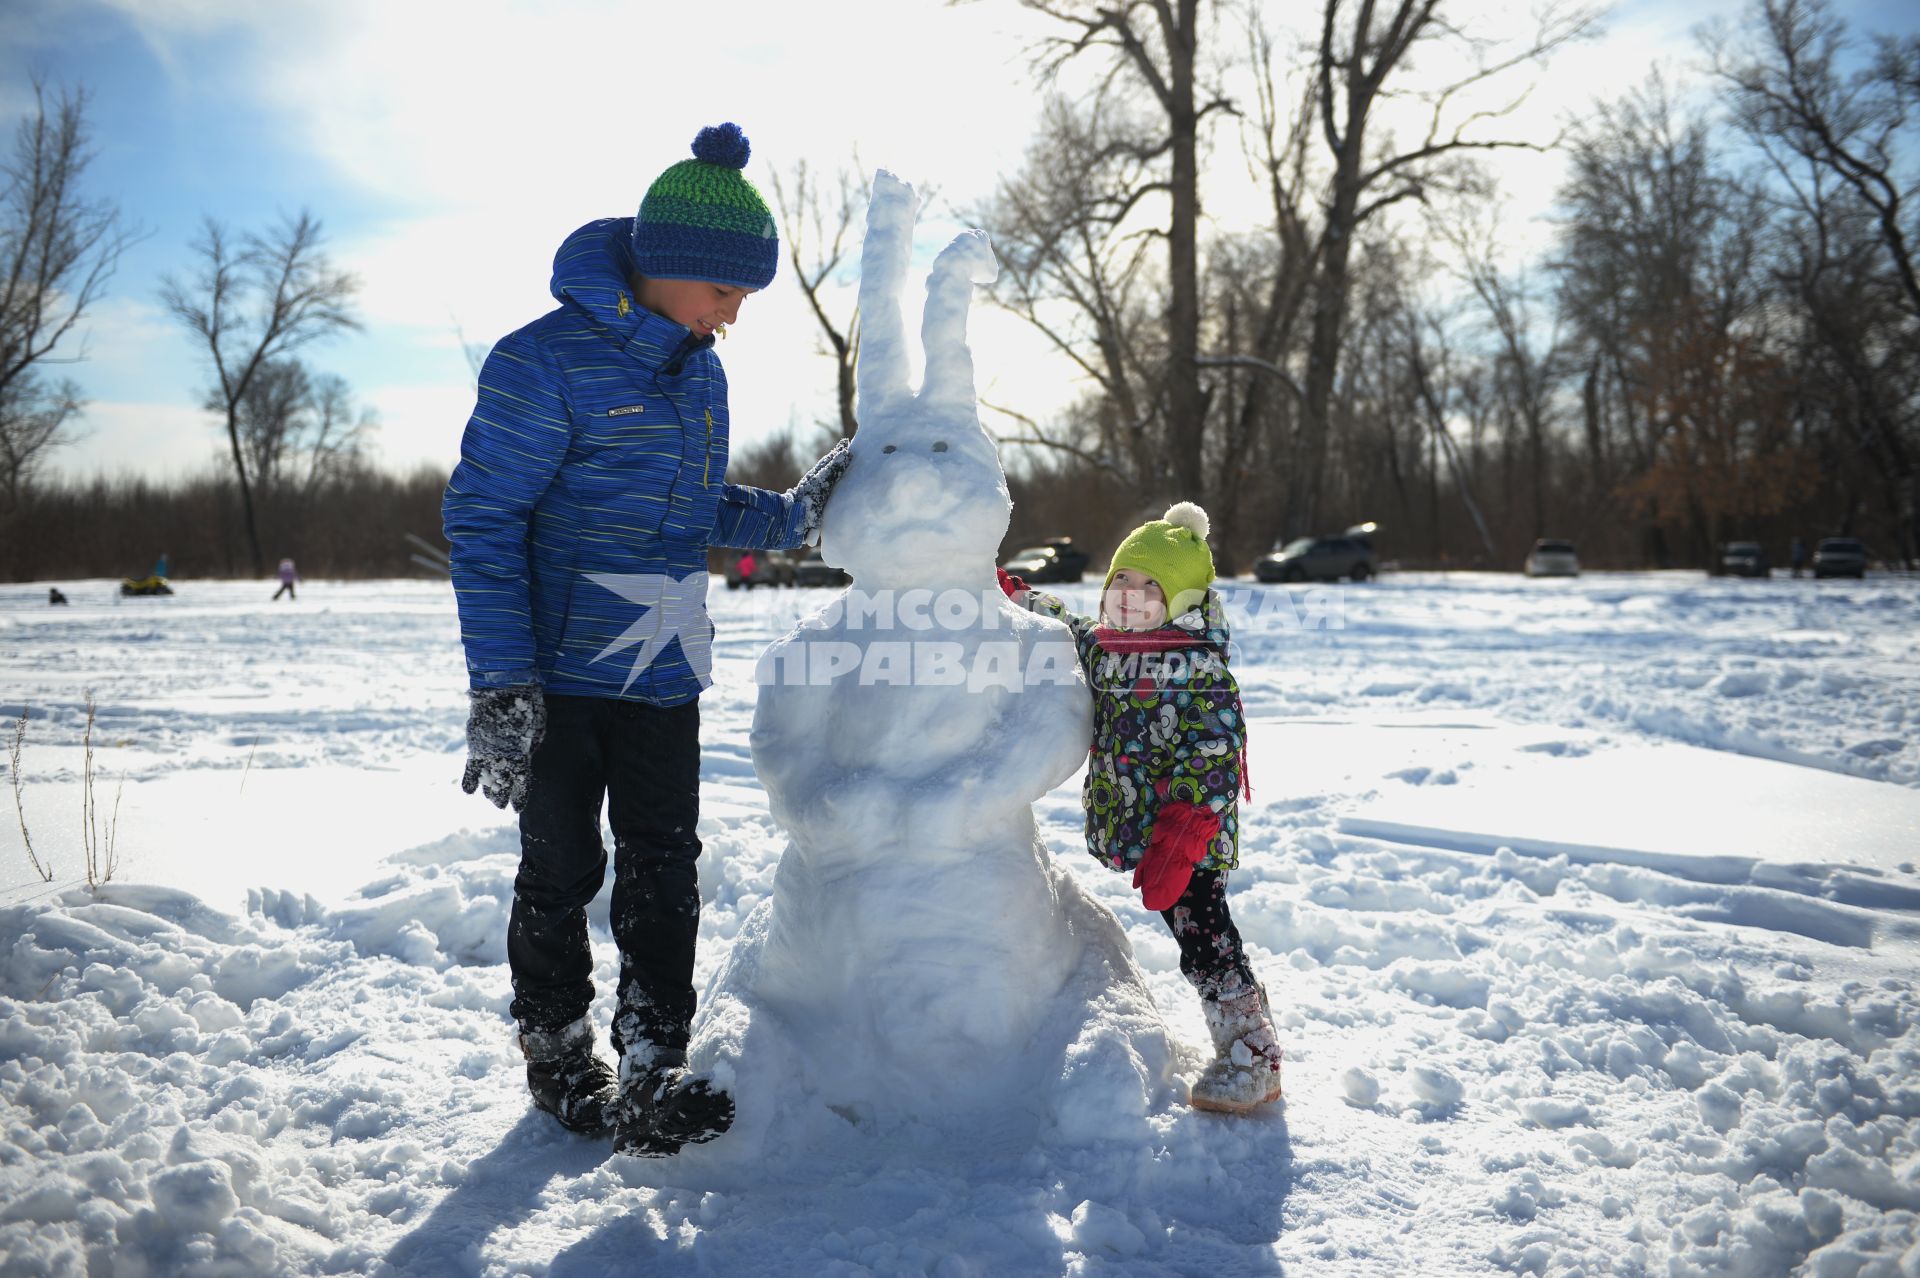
[1245, 1072]
[662, 1107]
[567, 1079]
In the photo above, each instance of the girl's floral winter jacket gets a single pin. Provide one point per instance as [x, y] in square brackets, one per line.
[1166, 729]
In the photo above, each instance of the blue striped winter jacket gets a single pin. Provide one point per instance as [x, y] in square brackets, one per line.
[598, 445]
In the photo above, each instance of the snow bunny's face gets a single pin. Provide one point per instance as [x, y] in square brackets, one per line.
[925, 502]
[918, 507]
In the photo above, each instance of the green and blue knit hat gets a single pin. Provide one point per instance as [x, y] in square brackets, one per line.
[703, 220]
[1173, 551]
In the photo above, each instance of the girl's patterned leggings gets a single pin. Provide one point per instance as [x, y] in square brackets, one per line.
[1210, 953]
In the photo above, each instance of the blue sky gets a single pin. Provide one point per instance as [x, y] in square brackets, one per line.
[449, 148]
[448, 151]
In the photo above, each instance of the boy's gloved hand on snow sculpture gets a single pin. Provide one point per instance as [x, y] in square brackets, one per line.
[504, 727]
[816, 486]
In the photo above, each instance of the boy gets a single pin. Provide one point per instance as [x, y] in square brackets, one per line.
[591, 484]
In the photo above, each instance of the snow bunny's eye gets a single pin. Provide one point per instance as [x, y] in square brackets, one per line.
[887, 449]
[940, 446]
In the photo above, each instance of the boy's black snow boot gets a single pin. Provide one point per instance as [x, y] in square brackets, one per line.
[567, 1079]
[663, 1108]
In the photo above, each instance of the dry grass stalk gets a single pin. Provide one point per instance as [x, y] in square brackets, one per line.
[100, 853]
[19, 802]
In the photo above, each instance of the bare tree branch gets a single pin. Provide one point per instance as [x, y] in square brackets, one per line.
[254, 304]
[58, 250]
[818, 222]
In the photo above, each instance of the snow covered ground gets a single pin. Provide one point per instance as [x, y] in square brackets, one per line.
[1590, 908]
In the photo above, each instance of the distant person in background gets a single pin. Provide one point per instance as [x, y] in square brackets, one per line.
[54, 596]
[160, 566]
[287, 577]
[1797, 556]
[747, 565]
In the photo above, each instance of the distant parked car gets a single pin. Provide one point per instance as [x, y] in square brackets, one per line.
[1318, 559]
[809, 569]
[1840, 557]
[770, 568]
[1745, 559]
[1055, 559]
[1551, 557]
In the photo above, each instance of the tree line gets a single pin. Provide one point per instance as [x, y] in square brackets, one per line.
[353, 522]
[1721, 340]
[297, 475]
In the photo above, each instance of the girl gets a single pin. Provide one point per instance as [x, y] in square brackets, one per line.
[1163, 779]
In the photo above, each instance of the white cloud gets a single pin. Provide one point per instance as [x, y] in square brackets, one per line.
[576, 106]
[419, 425]
[498, 128]
[158, 441]
[489, 130]
[129, 341]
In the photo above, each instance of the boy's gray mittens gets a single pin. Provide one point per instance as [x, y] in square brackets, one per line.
[504, 725]
[816, 486]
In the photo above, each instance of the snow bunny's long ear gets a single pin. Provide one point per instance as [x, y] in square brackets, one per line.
[881, 374]
[967, 261]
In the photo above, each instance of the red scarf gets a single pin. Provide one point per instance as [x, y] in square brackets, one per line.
[1165, 639]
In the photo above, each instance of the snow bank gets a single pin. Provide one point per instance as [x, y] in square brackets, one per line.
[187, 1090]
[1518, 1061]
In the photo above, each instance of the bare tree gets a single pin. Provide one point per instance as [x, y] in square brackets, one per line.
[817, 220]
[58, 249]
[1433, 379]
[1151, 106]
[1791, 98]
[1662, 284]
[34, 419]
[1363, 56]
[1856, 351]
[1380, 450]
[1845, 151]
[1086, 289]
[251, 303]
[475, 353]
[1268, 285]
[298, 428]
[338, 433]
[1527, 370]
[269, 416]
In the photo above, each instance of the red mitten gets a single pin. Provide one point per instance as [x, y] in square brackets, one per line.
[1010, 583]
[1180, 837]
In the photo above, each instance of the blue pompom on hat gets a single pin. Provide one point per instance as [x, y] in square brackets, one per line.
[703, 220]
[722, 144]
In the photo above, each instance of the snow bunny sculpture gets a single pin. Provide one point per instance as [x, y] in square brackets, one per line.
[919, 954]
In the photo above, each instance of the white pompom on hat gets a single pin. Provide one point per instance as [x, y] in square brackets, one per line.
[1186, 514]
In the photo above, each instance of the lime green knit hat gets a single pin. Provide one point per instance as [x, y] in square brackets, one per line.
[1173, 551]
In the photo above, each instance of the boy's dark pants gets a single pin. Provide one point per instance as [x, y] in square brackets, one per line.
[645, 762]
